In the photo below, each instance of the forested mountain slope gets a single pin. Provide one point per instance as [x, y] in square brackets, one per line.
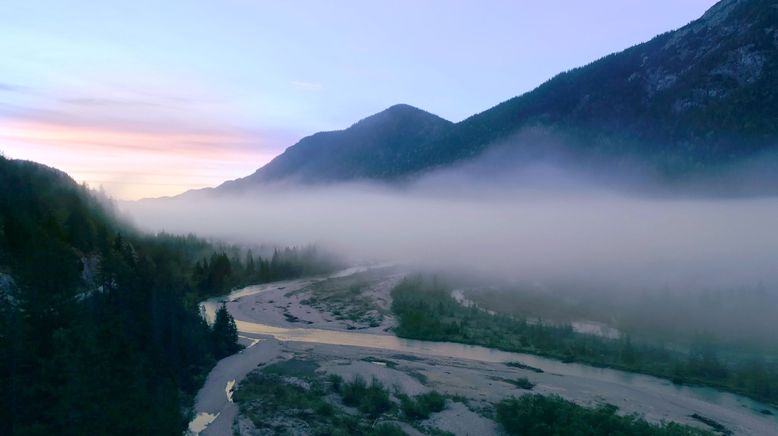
[378, 147]
[694, 101]
[100, 332]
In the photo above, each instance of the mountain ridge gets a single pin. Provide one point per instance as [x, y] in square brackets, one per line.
[370, 141]
[688, 101]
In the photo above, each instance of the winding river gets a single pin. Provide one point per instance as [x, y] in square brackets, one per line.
[645, 393]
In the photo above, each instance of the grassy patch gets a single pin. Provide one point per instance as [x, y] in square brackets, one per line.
[522, 382]
[372, 399]
[422, 406]
[540, 415]
[291, 397]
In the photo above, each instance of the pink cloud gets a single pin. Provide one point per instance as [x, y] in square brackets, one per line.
[131, 163]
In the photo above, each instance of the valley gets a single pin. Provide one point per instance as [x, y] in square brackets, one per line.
[478, 376]
[389, 218]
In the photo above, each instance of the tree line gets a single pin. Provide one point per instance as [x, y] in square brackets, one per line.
[100, 330]
[426, 310]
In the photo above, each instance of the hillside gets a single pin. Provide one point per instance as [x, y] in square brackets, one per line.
[93, 321]
[381, 146]
[100, 332]
[689, 102]
[703, 95]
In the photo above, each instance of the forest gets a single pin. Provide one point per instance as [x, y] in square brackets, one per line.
[100, 330]
[426, 310]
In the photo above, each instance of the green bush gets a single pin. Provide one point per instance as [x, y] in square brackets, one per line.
[433, 401]
[387, 429]
[538, 415]
[523, 382]
[422, 406]
[425, 310]
[336, 382]
[376, 400]
[371, 400]
[353, 391]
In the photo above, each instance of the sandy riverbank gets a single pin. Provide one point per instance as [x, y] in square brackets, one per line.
[478, 375]
[290, 304]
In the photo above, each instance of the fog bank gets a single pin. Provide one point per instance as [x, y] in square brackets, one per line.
[541, 232]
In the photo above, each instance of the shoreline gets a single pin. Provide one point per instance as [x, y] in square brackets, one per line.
[258, 315]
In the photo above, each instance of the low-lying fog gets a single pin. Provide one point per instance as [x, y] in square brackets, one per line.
[552, 229]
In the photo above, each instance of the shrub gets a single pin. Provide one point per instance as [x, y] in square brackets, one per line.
[336, 382]
[421, 406]
[352, 392]
[371, 400]
[539, 415]
[523, 383]
[387, 429]
[376, 400]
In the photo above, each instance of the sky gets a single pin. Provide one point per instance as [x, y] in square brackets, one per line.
[149, 98]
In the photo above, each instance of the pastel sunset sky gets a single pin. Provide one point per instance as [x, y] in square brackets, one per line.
[149, 98]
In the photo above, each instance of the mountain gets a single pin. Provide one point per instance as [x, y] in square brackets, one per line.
[694, 100]
[703, 95]
[98, 319]
[378, 147]
[95, 319]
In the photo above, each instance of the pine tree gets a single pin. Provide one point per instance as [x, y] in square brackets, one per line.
[225, 334]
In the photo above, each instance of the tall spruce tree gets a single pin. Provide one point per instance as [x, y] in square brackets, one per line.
[225, 333]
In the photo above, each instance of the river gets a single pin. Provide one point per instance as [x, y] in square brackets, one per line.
[645, 393]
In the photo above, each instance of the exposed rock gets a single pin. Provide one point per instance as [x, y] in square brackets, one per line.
[744, 65]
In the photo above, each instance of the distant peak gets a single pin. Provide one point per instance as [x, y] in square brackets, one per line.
[401, 111]
[402, 107]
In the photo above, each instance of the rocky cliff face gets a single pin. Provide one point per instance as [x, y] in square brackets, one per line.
[700, 97]
[729, 48]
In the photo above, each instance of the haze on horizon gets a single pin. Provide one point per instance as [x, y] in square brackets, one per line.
[149, 99]
[541, 222]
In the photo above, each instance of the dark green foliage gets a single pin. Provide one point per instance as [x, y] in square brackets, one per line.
[387, 429]
[336, 382]
[376, 400]
[352, 391]
[98, 325]
[102, 333]
[523, 383]
[538, 415]
[213, 274]
[694, 102]
[376, 147]
[422, 406]
[426, 310]
[273, 402]
[279, 396]
[372, 399]
[225, 334]
[216, 272]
